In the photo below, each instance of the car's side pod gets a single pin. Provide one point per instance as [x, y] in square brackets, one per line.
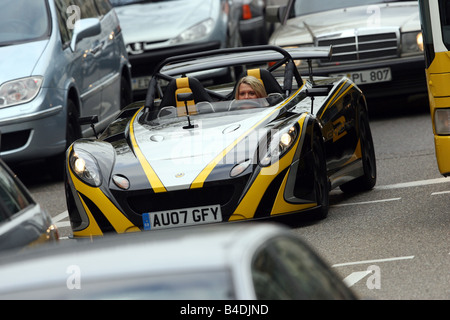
[304, 185]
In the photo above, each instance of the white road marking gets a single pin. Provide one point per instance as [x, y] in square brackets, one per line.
[412, 184]
[60, 216]
[354, 277]
[62, 224]
[371, 261]
[442, 192]
[364, 202]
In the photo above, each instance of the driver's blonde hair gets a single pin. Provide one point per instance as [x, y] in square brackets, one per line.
[255, 83]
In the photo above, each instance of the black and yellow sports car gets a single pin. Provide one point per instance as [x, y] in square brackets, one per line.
[192, 154]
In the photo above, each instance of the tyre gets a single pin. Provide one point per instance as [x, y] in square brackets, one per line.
[321, 183]
[73, 132]
[368, 179]
[126, 94]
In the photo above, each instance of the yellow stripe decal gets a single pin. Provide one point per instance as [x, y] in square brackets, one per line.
[282, 207]
[115, 217]
[335, 94]
[247, 207]
[152, 177]
[200, 179]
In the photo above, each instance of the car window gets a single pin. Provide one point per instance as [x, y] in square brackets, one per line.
[269, 280]
[69, 11]
[286, 269]
[204, 285]
[12, 198]
[23, 21]
[303, 7]
[103, 6]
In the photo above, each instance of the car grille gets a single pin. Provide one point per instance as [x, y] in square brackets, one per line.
[150, 202]
[361, 45]
[14, 140]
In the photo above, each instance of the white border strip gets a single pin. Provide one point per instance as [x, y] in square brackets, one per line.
[372, 261]
[364, 202]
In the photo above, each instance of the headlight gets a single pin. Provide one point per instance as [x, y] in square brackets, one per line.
[442, 121]
[239, 168]
[19, 91]
[196, 32]
[412, 42]
[85, 167]
[280, 142]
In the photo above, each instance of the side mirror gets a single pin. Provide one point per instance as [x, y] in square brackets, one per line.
[317, 91]
[275, 13]
[85, 28]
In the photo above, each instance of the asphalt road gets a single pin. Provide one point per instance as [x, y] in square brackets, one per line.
[389, 243]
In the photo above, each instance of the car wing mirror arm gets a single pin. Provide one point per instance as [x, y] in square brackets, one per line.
[92, 120]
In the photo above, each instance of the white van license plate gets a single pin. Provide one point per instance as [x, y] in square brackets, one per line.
[181, 217]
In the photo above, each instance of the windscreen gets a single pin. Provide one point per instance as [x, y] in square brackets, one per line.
[23, 21]
[304, 7]
[220, 110]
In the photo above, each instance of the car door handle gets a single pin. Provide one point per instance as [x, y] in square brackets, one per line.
[95, 50]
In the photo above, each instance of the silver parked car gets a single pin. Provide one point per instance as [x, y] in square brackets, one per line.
[60, 60]
[156, 29]
[220, 262]
[376, 43]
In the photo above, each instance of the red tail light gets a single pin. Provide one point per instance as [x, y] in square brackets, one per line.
[246, 12]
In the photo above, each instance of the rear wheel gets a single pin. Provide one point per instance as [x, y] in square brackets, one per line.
[368, 179]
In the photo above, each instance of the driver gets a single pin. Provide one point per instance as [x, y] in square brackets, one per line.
[250, 87]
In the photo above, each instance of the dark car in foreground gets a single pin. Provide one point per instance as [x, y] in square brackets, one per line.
[376, 43]
[191, 154]
[227, 262]
[23, 222]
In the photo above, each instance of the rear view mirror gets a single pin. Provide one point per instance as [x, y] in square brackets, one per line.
[317, 91]
[275, 13]
[85, 28]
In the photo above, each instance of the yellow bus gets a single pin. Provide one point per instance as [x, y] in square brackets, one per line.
[435, 19]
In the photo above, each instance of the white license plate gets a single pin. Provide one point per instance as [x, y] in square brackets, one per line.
[140, 83]
[367, 76]
[182, 217]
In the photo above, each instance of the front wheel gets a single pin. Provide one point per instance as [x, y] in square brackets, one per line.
[73, 132]
[126, 93]
[368, 179]
[321, 183]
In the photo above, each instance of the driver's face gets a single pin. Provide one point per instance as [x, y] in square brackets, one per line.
[246, 92]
